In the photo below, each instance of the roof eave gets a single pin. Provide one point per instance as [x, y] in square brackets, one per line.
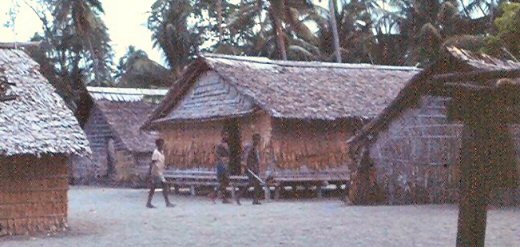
[162, 122]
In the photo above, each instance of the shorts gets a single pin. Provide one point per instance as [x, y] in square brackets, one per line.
[158, 181]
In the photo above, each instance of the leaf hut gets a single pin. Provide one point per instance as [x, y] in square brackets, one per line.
[38, 133]
[303, 110]
[121, 152]
[485, 101]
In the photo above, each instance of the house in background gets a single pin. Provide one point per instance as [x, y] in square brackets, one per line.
[38, 134]
[304, 111]
[121, 152]
[410, 153]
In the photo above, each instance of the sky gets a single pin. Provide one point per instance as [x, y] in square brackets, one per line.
[125, 20]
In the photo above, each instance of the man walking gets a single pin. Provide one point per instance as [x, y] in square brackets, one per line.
[156, 174]
[252, 160]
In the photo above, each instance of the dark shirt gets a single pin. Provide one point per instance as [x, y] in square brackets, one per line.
[252, 159]
[221, 152]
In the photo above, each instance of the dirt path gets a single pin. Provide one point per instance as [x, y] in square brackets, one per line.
[117, 217]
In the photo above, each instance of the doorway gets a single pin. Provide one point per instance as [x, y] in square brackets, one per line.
[232, 127]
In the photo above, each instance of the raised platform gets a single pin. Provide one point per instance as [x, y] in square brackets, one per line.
[195, 179]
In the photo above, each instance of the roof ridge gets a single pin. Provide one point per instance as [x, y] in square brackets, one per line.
[17, 45]
[308, 64]
[119, 90]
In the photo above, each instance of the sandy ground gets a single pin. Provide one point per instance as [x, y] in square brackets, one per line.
[117, 217]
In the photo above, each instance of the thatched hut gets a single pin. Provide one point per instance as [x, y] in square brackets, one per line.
[37, 135]
[304, 112]
[121, 152]
[410, 153]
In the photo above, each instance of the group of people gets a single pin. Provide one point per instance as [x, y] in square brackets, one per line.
[250, 163]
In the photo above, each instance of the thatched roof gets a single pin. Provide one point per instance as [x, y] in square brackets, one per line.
[296, 90]
[37, 120]
[125, 119]
[455, 60]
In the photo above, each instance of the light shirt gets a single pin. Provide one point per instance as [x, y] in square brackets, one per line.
[158, 163]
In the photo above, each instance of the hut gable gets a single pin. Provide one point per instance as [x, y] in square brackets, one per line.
[455, 60]
[120, 148]
[214, 96]
[410, 153]
[36, 121]
[118, 113]
[124, 120]
[293, 90]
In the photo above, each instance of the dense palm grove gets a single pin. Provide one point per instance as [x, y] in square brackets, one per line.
[394, 32]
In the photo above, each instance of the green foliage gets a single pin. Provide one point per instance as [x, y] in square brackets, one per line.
[74, 50]
[507, 38]
[177, 29]
[76, 40]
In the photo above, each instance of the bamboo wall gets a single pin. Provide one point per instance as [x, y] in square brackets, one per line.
[259, 123]
[33, 194]
[416, 160]
[98, 132]
[310, 145]
[131, 169]
[285, 145]
[128, 166]
[190, 146]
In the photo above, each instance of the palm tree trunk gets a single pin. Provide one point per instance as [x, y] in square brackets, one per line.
[334, 27]
[277, 27]
[219, 19]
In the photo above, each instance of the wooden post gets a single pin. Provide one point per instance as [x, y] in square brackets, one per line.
[192, 190]
[267, 192]
[471, 230]
[233, 194]
[319, 191]
[277, 192]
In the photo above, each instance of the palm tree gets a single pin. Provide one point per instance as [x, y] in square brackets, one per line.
[75, 49]
[83, 33]
[281, 25]
[425, 26]
[334, 30]
[168, 21]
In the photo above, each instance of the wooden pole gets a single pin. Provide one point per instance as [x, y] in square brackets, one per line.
[471, 230]
[334, 29]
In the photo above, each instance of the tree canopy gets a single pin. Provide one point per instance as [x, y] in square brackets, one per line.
[76, 49]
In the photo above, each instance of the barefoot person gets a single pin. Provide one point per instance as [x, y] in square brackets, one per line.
[156, 176]
[252, 166]
[222, 163]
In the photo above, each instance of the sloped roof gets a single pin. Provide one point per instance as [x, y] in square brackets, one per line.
[37, 120]
[458, 59]
[215, 97]
[299, 90]
[125, 118]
